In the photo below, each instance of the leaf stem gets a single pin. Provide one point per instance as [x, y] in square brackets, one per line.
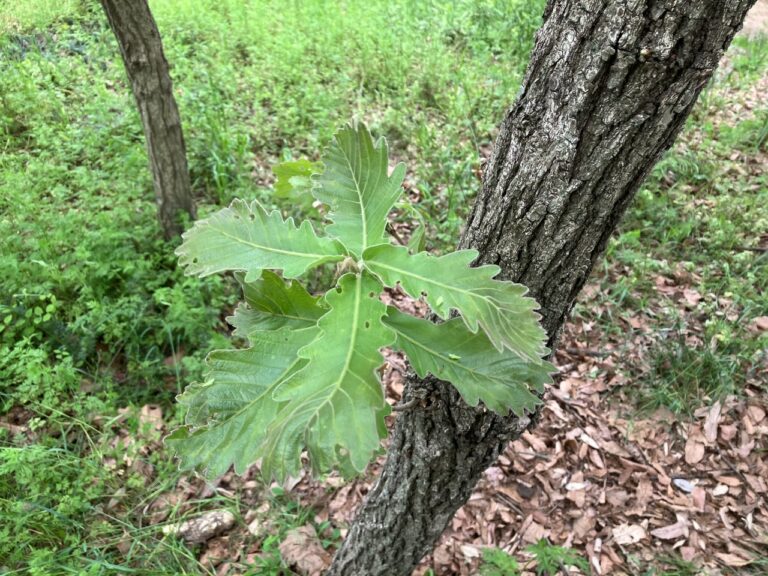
[391, 230]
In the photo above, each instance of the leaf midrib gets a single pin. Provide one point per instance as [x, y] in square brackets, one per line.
[279, 380]
[305, 405]
[447, 359]
[308, 255]
[353, 339]
[448, 287]
[364, 243]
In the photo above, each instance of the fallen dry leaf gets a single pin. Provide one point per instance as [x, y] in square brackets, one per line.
[216, 552]
[720, 490]
[694, 450]
[625, 534]
[151, 414]
[759, 324]
[713, 419]
[756, 414]
[732, 560]
[303, 551]
[534, 533]
[692, 297]
[470, 552]
[688, 553]
[699, 498]
[672, 532]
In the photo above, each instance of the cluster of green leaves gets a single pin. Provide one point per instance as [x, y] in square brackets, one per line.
[308, 379]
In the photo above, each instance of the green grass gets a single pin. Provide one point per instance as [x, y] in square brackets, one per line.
[93, 307]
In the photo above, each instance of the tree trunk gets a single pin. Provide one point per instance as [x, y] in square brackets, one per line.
[608, 88]
[147, 68]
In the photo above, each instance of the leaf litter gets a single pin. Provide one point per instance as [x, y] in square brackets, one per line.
[622, 490]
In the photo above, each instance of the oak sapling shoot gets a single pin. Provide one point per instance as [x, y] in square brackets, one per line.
[309, 378]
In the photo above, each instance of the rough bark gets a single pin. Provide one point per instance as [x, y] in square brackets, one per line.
[146, 66]
[608, 88]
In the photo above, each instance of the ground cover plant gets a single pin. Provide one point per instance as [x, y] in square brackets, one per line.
[101, 329]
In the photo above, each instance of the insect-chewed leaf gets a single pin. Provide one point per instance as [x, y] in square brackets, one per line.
[229, 414]
[271, 304]
[245, 237]
[335, 403]
[356, 187]
[499, 308]
[470, 362]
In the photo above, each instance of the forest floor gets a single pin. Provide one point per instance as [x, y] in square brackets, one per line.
[756, 23]
[651, 456]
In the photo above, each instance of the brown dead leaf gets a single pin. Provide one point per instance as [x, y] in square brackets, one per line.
[303, 551]
[720, 490]
[699, 498]
[758, 325]
[728, 432]
[534, 533]
[625, 534]
[731, 481]
[644, 492]
[162, 506]
[688, 553]
[589, 441]
[584, 524]
[756, 414]
[694, 450]
[151, 415]
[216, 552]
[614, 448]
[713, 419]
[692, 297]
[673, 531]
[442, 555]
[470, 552]
[616, 497]
[575, 490]
[732, 560]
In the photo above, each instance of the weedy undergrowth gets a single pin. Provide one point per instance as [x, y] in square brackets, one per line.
[309, 378]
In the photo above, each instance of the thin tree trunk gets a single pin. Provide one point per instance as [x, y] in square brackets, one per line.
[608, 88]
[142, 52]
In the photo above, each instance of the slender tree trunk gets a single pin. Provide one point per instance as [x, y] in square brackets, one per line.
[608, 88]
[147, 68]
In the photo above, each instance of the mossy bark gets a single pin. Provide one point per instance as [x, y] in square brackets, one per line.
[609, 86]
